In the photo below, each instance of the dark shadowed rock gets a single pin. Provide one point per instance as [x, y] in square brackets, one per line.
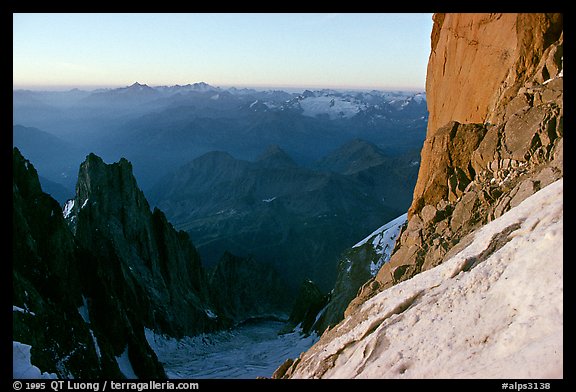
[357, 266]
[308, 304]
[166, 284]
[242, 289]
[66, 301]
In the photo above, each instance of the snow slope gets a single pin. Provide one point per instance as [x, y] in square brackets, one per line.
[383, 241]
[494, 310]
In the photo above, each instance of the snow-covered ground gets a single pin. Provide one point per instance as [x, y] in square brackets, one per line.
[249, 351]
[494, 310]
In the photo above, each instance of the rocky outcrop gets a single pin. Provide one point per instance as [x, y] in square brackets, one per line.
[480, 62]
[495, 137]
[62, 307]
[164, 283]
[306, 308]
[502, 72]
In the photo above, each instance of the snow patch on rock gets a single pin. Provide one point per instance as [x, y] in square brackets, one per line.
[68, 208]
[22, 367]
[383, 241]
[125, 365]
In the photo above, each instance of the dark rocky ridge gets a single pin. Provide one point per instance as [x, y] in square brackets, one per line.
[353, 272]
[309, 302]
[355, 267]
[86, 289]
[166, 285]
[53, 276]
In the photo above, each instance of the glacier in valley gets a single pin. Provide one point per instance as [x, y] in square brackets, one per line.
[252, 349]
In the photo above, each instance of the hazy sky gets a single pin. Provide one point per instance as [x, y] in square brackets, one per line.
[382, 51]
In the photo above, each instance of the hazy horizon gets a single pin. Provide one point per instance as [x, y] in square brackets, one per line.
[263, 51]
[287, 88]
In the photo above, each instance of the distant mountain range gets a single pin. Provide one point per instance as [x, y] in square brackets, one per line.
[330, 102]
[263, 208]
[162, 128]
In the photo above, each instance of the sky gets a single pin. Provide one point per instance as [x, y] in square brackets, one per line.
[350, 50]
